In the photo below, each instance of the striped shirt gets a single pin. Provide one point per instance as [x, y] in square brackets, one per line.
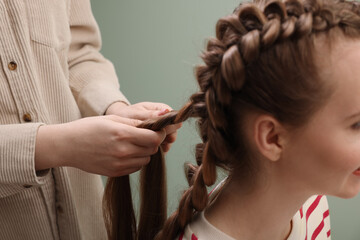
[311, 222]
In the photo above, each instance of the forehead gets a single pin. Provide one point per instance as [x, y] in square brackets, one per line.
[339, 66]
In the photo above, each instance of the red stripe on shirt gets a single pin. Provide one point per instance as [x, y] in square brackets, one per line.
[311, 210]
[318, 230]
[181, 236]
[328, 233]
[313, 206]
[326, 213]
[193, 237]
[321, 226]
[301, 213]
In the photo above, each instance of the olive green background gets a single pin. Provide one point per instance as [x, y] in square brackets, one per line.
[154, 46]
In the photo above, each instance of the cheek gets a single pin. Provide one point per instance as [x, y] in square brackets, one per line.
[349, 159]
[340, 153]
[331, 163]
[330, 156]
[320, 162]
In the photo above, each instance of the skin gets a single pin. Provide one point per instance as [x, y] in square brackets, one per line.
[143, 111]
[109, 145]
[322, 157]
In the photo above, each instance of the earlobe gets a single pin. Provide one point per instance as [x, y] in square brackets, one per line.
[268, 136]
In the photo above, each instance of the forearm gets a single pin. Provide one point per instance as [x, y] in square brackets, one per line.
[106, 145]
[92, 78]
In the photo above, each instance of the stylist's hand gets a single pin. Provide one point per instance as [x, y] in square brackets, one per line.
[106, 145]
[143, 111]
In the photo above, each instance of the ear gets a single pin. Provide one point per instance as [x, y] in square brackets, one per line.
[269, 136]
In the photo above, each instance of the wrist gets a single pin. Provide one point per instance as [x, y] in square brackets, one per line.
[47, 152]
[114, 107]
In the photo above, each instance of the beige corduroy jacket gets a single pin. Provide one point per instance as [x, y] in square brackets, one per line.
[51, 72]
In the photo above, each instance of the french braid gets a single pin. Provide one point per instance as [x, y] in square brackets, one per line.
[256, 49]
[240, 40]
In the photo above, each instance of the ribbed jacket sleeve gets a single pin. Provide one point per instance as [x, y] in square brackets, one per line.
[17, 151]
[44, 80]
[93, 80]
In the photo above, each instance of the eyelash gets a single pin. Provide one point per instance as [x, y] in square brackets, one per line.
[356, 126]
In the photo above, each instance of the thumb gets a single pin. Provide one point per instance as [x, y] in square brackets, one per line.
[162, 134]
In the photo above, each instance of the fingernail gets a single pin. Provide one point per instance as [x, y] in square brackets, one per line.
[164, 111]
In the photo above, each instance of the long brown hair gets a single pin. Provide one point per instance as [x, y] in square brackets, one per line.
[263, 58]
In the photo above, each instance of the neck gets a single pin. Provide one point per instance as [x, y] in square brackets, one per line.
[262, 210]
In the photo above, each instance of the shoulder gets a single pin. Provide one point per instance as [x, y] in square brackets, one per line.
[189, 233]
[200, 229]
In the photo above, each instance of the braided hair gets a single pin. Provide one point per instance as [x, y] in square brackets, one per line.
[263, 58]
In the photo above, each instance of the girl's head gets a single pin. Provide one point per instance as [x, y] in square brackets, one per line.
[277, 98]
[275, 93]
[273, 70]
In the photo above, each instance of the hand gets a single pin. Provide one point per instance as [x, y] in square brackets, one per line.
[106, 145]
[143, 111]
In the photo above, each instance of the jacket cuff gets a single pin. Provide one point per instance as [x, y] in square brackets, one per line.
[17, 157]
[95, 98]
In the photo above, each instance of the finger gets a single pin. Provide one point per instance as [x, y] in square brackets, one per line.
[170, 138]
[152, 110]
[146, 138]
[172, 128]
[144, 114]
[166, 147]
[136, 142]
[130, 171]
[128, 150]
[124, 172]
[127, 163]
[149, 114]
[163, 112]
[155, 106]
[127, 121]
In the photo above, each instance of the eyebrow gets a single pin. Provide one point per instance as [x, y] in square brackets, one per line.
[353, 116]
